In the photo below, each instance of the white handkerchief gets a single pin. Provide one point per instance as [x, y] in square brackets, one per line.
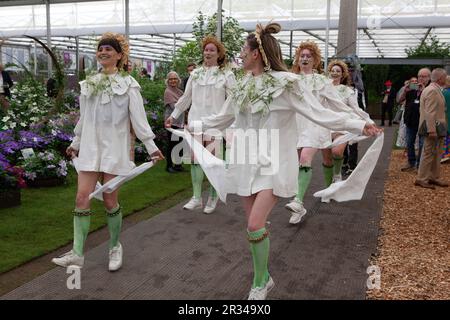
[353, 187]
[115, 183]
[213, 167]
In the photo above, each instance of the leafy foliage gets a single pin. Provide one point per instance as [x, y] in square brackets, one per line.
[153, 95]
[29, 104]
[204, 26]
[189, 53]
[431, 48]
[231, 32]
[59, 75]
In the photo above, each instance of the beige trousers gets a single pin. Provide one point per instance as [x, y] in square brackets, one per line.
[430, 162]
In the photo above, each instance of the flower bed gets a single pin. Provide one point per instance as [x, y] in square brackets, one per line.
[11, 180]
[44, 169]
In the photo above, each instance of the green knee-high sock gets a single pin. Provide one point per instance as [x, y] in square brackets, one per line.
[197, 180]
[212, 192]
[259, 246]
[114, 225]
[328, 174]
[304, 178]
[337, 165]
[81, 223]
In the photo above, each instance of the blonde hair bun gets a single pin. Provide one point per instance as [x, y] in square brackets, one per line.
[272, 28]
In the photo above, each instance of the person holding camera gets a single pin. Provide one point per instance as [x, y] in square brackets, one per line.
[411, 96]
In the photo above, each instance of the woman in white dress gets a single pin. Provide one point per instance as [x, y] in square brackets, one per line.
[338, 72]
[311, 136]
[206, 91]
[110, 106]
[262, 109]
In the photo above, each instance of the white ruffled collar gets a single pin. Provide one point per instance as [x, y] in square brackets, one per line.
[344, 91]
[315, 81]
[107, 85]
[210, 75]
[256, 93]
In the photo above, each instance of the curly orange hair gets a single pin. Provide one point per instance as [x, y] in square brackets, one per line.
[345, 74]
[315, 51]
[220, 49]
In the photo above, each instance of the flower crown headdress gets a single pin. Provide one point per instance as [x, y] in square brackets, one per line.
[259, 30]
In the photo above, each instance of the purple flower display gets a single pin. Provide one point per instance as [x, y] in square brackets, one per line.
[10, 177]
[29, 139]
[45, 164]
[8, 144]
[4, 163]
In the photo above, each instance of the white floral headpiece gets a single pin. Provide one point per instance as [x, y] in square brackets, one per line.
[258, 31]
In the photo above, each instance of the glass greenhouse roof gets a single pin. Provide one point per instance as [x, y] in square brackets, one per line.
[385, 27]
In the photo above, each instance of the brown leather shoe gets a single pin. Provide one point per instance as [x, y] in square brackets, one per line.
[407, 168]
[438, 183]
[424, 184]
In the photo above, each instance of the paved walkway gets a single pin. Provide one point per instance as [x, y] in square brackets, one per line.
[189, 255]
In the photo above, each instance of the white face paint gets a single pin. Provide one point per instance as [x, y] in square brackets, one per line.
[306, 58]
[336, 72]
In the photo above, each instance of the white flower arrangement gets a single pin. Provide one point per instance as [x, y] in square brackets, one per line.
[200, 72]
[257, 92]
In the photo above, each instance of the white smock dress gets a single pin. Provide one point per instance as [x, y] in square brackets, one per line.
[310, 134]
[206, 92]
[265, 107]
[349, 97]
[109, 106]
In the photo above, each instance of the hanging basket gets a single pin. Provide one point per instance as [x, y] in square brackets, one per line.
[45, 182]
[10, 198]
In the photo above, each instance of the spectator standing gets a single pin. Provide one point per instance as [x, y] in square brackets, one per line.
[411, 97]
[401, 135]
[190, 67]
[387, 104]
[144, 74]
[356, 77]
[171, 96]
[432, 125]
[446, 92]
[5, 84]
[52, 91]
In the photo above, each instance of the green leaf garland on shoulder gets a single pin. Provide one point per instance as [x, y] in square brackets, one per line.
[257, 93]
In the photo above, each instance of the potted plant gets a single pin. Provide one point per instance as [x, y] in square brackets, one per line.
[44, 169]
[11, 182]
